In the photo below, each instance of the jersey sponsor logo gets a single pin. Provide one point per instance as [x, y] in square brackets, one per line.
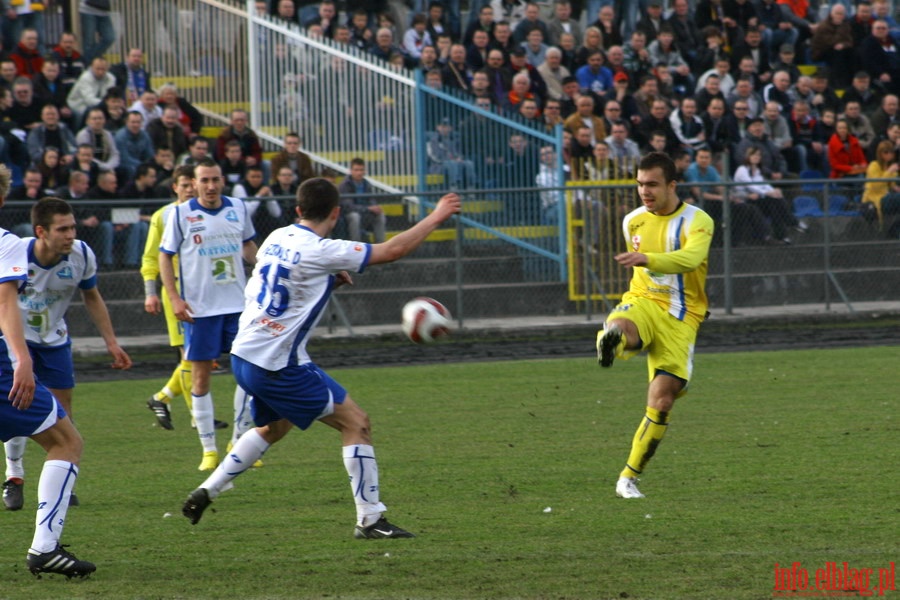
[222, 250]
[17, 269]
[197, 228]
[198, 239]
[636, 242]
[357, 248]
[192, 219]
[65, 273]
[275, 326]
[231, 216]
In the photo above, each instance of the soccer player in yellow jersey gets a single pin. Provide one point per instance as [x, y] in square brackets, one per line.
[664, 305]
[180, 381]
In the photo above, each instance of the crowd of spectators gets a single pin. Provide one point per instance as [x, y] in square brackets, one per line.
[680, 76]
[86, 130]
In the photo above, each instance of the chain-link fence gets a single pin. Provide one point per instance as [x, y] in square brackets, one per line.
[478, 266]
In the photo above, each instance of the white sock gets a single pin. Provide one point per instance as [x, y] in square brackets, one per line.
[359, 460]
[203, 413]
[243, 419]
[15, 449]
[54, 489]
[246, 451]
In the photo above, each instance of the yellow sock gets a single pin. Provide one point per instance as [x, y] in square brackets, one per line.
[185, 372]
[174, 382]
[647, 437]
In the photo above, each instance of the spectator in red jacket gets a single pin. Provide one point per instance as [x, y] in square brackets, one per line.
[845, 155]
[26, 55]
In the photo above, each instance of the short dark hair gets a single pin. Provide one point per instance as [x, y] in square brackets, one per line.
[662, 160]
[206, 162]
[143, 169]
[43, 211]
[357, 161]
[183, 171]
[316, 198]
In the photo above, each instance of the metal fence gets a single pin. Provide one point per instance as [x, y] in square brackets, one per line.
[525, 242]
[842, 257]
[833, 249]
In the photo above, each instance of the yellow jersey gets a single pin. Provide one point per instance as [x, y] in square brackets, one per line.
[677, 250]
[150, 259]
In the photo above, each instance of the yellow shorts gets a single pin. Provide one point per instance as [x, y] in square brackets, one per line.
[175, 327]
[668, 342]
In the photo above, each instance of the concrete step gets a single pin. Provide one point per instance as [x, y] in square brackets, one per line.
[758, 289]
[842, 255]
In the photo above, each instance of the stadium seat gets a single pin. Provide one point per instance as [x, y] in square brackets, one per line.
[837, 207]
[810, 186]
[807, 206]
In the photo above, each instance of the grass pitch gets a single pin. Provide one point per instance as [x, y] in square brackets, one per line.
[505, 471]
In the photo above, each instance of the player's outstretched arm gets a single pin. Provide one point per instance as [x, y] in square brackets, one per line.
[22, 392]
[99, 314]
[404, 243]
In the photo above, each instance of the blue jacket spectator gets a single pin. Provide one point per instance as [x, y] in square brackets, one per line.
[134, 144]
[594, 77]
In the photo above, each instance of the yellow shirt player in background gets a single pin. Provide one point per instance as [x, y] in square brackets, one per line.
[181, 377]
[664, 305]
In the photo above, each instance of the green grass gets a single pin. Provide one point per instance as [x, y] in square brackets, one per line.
[772, 457]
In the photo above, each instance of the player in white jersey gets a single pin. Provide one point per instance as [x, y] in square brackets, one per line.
[28, 408]
[297, 269]
[211, 234]
[58, 264]
[180, 380]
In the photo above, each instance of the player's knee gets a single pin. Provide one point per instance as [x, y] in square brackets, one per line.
[357, 422]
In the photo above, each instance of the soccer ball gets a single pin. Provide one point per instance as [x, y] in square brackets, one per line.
[425, 319]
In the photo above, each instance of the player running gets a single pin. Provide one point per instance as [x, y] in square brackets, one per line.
[298, 268]
[664, 305]
[58, 265]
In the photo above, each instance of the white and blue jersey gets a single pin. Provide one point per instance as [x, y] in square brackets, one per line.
[290, 287]
[209, 245]
[44, 410]
[13, 267]
[49, 291]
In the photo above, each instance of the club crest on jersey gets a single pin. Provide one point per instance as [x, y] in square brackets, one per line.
[192, 219]
[198, 239]
[636, 242]
[65, 273]
[231, 216]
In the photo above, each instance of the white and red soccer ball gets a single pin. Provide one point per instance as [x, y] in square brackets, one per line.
[425, 319]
